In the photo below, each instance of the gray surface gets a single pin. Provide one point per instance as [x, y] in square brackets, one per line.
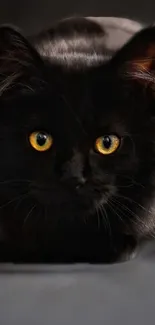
[72, 295]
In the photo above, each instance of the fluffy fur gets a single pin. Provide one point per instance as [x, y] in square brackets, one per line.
[70, 203]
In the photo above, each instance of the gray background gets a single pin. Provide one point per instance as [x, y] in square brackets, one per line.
[120, 294]
[35, 14]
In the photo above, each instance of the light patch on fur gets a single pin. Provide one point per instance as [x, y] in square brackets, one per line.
[76, 51]
[68, 52]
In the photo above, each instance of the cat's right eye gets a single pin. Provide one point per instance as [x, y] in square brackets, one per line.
[107, 144]
[41, 141]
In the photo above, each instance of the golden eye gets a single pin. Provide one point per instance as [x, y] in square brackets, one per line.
[107, 144]
[41, 141]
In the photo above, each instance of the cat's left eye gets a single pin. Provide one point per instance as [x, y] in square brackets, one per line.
[41, 141]
[107, 144]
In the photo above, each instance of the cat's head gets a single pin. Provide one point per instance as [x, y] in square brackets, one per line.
[77, 145]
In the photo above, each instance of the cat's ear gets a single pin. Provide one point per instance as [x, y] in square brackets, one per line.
[136, 60]
[17, 57]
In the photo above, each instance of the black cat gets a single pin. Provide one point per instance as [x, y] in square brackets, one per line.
[77, 139]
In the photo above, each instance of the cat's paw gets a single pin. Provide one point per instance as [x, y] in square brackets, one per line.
[128, 255]
[126, 251]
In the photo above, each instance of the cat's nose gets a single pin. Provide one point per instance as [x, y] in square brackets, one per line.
[75, 183]
[80, 183]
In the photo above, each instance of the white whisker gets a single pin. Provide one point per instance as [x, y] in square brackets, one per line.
[28, 215]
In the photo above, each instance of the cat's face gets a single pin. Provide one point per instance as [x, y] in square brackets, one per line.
[77, 154]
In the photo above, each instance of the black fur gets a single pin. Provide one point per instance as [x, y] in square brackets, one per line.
[70, 203]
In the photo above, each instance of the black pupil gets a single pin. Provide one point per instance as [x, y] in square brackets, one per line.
[41, 139]
[107, 142]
